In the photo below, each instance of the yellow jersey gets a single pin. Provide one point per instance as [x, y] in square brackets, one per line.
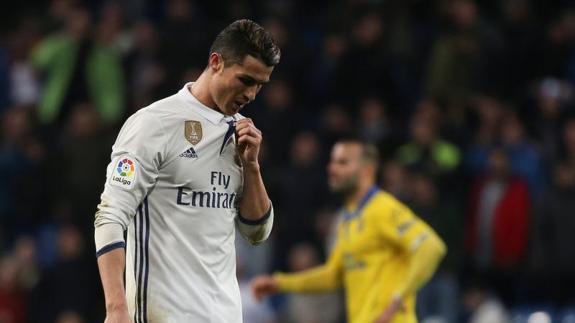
[382, 250]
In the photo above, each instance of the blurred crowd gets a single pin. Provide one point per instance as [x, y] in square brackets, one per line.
[471, 104]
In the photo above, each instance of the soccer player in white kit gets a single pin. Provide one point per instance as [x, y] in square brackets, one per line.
[184, 175]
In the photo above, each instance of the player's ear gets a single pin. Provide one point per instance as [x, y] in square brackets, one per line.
[370, 169]
[215, 62]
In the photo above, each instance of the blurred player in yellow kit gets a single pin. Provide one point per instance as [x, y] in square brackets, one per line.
[383, 253]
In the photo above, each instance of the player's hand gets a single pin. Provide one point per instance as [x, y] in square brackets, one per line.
[387, 315]
[263, 286]
[249, 141]
[118, 316]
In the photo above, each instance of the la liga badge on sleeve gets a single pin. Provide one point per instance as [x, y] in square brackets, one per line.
[124, 173]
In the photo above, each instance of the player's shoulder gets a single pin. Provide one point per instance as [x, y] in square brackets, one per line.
[165, 108]
[157, 114]
[383, 199]
[145, 119]
[383, 204]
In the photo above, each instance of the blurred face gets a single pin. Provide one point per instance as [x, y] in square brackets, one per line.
[423, 190]
[564, 176]
[234, 86]
[304, 149]
[498, 163]
[569, 134]
[512, 131]
[423, 132]
[78, 23]
[344, 168]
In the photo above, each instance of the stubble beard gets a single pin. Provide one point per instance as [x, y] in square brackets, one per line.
[347, 187]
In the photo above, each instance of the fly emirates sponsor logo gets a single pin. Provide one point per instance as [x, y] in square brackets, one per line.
[209, 199]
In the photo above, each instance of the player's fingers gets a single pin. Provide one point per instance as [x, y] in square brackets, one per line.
[244, 123]
[240, 127]
[249, 140]
[245, 120]
[249, 132]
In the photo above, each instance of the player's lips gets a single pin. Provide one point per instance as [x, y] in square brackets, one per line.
[238, 105]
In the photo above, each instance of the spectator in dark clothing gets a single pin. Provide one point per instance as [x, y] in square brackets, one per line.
[553, 238]
[4, 80]
[568, 141]
[395, 180]
[321, 83]
[22, 160]
[521, 46]
[464, 57]
[440, 295]
[552, 100]
[303, 192]
[556, 57]
[524, 158]
[183, 42]
[63, 286]
[278, 118]
[145, 71]
[490, 114]
[82, 149]
[335, 123]
[363, 70]
[374, 126]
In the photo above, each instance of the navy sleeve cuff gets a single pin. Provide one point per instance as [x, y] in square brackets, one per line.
[110, 247]
[259, 221]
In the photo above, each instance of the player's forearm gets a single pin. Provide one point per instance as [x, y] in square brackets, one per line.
[255, 202]
[316, 280]
[423, 263]
[111, 265]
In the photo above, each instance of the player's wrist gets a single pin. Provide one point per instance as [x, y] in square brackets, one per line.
[253, 166]
[116, 306]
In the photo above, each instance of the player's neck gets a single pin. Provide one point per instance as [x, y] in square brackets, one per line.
[355, 197]
[200, 89]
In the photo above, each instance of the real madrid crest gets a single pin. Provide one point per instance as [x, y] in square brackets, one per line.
[193, 131]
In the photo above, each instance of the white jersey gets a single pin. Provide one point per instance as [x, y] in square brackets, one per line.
[174, 183]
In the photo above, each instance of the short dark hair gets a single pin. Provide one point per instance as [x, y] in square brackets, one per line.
[245, 37]
[369, 152]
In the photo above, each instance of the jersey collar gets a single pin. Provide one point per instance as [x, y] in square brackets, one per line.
[350, 215]
[212, 115]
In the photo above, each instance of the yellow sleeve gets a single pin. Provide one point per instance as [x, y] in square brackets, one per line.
[423, 263]
[324, 278]
[417, 240]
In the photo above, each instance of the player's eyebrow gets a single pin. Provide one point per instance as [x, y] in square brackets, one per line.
[250, 79]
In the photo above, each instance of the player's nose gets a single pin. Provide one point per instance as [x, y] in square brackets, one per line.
[330, 169]
[250, 93]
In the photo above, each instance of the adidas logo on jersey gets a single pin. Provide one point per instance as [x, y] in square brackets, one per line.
[190, 153]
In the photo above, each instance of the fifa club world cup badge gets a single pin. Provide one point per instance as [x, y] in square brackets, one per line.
[193, 131]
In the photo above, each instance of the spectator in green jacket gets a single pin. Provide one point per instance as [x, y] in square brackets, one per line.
[427, 151]
[77, 67]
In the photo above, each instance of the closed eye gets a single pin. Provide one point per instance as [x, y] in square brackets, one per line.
[247, 81]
